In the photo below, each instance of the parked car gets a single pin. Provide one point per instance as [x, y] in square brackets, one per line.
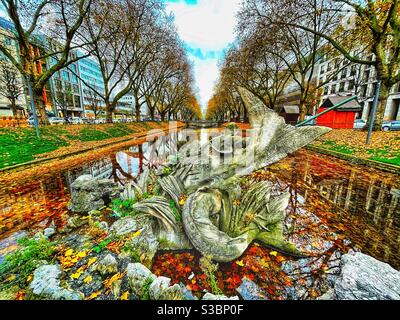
[360, 124]
[391, 125]
[75, 120]
[97, 121]
[56, 120]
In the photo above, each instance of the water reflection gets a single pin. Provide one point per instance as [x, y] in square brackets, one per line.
[360, 204]
[334, 205]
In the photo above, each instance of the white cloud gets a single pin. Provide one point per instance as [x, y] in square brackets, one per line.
[208, 26]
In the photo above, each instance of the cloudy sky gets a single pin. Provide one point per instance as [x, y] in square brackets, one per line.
[207, 27]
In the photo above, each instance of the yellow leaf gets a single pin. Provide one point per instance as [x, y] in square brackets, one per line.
[137, 233]
[240, 263]
[264, 263]
[77, 274]
[91, 261]
[273, 253]
[81, 254]
[94, 295]
[88, 279]
[69, 252]
[11, 278]
[125, 296]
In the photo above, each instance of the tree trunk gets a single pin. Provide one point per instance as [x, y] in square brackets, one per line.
[380, 110]
[303, 110]
[137, 109]
[40, 107]
[245, 115]
[109, 112]
[14, 108]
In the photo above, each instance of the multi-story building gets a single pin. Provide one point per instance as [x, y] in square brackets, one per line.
[67, 92]
[357, 80]
[126, 105]
[7, 39]
[91, 78]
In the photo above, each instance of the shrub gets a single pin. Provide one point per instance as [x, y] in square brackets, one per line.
[25, 260]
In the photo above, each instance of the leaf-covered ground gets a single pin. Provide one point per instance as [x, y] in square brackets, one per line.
[384, 146]
[20, 145]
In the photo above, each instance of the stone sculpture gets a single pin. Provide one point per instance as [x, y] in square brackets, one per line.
[218, 217]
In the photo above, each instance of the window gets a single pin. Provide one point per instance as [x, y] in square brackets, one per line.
[326, 91]
[353, 71]
[65, 75]
[351, 85]
[74, 79]
[322, 69]
[333, 89]
[77, 102]
[367, 74]
[364, 90]
[341, 86]
[344, 73]
[76, 88]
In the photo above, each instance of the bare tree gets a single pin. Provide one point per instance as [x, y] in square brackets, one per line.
[11, 86]
[61, 19]
[94, 101]
[362, 28]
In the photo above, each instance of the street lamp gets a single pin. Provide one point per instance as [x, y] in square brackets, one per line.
[35, 120]
[373, 113]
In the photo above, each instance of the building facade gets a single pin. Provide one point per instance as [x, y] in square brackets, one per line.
[357, 80]
[66, 91]
[91, 78]
[7, 39]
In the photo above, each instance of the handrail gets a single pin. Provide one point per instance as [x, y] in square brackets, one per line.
[325, 111]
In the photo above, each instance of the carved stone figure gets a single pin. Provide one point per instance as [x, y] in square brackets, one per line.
[218, 217]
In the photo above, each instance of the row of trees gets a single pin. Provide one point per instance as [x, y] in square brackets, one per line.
[281, 42]
[134, 41]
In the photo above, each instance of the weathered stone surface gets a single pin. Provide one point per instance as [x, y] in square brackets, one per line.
[46, 285]
[175, 240]
[146, 244]
[88, 193]
[107, 265]
[138, 275]
[248, 290]
[158, 286]
[160, 289]
[76, 222]
[48, 232]
[364, 278]
[210, 296]
[187, 294]
[124, 226]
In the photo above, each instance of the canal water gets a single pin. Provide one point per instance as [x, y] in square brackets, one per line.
[334, 207]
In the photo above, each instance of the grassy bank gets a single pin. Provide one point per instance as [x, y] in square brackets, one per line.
[384, 146]
[20, 145]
